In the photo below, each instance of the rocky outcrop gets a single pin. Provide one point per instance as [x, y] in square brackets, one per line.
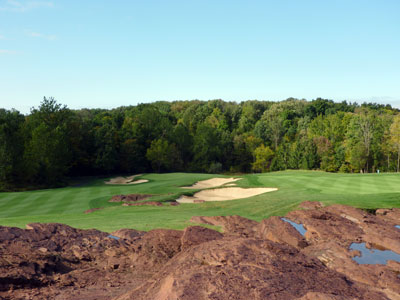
[249, 260]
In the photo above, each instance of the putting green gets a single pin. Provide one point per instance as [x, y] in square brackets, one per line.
[66, 205]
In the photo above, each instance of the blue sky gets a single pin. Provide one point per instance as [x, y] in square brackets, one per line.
[106, 54]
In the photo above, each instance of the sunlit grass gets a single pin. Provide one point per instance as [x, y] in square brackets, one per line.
[66, 205]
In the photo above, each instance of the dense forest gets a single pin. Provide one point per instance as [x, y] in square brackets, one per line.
[54, 143]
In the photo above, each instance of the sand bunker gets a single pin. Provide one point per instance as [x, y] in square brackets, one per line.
[210, 183]
[126, 180]
[224, 194]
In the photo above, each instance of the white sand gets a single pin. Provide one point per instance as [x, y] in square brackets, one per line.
[225, 194]
[210, 183]
[126, 180]
[138, 181]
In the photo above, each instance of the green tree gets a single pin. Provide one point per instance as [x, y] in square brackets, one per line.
[274, 124]
[162, 155]
[207, 147]
[263, 157]
[395, 138]
[48, 151]
[242, 156]
[11, 148]
[360, 136]
[106, 143]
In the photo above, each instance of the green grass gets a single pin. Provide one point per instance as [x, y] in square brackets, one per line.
[66, 205]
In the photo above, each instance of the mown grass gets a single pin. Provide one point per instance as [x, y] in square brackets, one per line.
[66, 205]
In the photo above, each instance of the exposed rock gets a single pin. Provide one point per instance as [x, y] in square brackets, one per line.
[129, 198]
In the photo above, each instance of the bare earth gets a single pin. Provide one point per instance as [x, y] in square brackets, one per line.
[224, 194]
[126, 180]
[249, 260]
[210, 183]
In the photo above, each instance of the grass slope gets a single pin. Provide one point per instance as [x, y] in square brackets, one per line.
[66, 205]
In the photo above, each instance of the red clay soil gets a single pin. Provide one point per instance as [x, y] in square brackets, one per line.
[249, 260]
[93, 210]
[149, 203]
[129, 198]
[128, 234]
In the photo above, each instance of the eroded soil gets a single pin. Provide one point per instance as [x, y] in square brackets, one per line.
[250, 260]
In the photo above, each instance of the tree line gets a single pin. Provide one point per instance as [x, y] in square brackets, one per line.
[53, 142]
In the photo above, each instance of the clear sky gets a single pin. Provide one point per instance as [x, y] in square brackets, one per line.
[97, 53]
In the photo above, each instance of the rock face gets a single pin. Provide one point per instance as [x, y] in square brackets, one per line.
[249, 260]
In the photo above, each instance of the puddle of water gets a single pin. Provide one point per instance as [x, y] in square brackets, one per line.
[397, 226]
[299, 227]
[113, 237]
[373, 256]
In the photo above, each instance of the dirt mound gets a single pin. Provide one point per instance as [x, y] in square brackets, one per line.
[276, 230]
[392, 214]
[195, 235]
[55, 261]
[93, 210]
[155, 248]
[149, 203]
[128, 234]
[129, 198]
[243, 268]
[231, 225]
[250, 260]
[224, 194]
[310, 205]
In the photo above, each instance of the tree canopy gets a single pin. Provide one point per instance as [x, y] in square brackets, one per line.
[53, 142]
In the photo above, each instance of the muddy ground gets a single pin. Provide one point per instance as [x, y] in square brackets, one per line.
[250, 260]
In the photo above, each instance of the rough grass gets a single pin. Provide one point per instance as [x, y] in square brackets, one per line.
[66, 205]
